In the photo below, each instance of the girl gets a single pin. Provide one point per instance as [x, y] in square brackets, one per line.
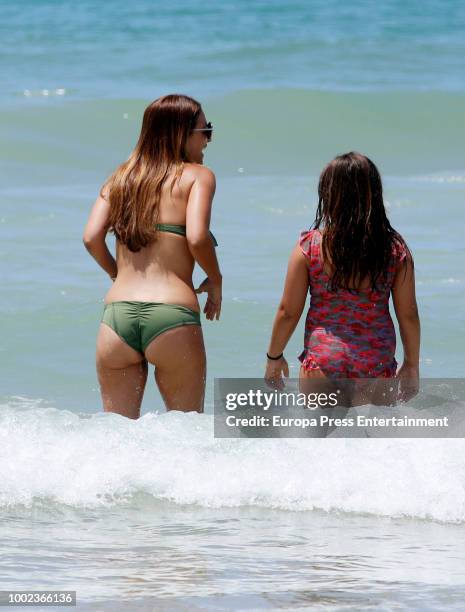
[158, 205]
[351, 261]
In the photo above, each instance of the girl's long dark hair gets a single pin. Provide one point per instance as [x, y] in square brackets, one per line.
[357, 238]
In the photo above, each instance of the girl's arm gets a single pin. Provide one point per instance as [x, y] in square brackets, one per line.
[405, 306]
[406, 309]
[95, 233]
[288, 315]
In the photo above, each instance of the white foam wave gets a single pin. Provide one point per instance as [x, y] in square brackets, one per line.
[446, 177]
[60, 91]
[443, 281]
[103, 459]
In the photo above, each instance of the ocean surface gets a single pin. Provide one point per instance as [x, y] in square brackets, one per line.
[157, 514]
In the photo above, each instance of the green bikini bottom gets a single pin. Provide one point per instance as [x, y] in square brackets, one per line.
[138, 323]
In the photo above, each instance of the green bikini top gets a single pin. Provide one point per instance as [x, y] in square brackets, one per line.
[177, 229]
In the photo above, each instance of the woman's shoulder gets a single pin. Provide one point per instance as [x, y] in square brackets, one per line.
[198, 172]
[106, 188]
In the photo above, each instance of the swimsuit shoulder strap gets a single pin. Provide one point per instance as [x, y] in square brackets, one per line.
[309, 242]
[398, 256]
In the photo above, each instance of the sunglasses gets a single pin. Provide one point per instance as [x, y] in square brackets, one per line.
[207, 130]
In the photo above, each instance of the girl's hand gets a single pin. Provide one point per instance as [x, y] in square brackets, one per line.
[409, 377]
[213, 289]
[275, 368]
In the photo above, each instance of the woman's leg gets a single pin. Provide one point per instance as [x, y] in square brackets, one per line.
[178, 355]
[122, 374]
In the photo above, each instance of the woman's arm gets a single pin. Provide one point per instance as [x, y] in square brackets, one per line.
[288, 315]
[95, 233]
[198, 215]
[199, 241]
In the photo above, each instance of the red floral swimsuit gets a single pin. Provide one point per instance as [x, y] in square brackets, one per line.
[348, 335]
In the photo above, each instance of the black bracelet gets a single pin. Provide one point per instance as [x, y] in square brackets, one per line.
[275, 358]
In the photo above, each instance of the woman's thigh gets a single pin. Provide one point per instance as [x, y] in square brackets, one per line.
[178, 355]
[122, 374]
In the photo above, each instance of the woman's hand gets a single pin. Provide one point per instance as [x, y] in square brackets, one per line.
[409, 378]
[212, 307]
[275, 368]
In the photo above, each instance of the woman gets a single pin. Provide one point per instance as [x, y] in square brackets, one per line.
[158, 205]
[351, 261]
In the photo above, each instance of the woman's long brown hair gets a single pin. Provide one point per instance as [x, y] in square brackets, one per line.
[357, 238]
[134, 189]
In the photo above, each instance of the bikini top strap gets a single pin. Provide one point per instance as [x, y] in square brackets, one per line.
[178, 229]
[172, 228]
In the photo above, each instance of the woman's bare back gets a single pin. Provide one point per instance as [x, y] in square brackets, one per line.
[162, 271]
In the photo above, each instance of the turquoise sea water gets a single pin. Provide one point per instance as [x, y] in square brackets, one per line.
[157, 511]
